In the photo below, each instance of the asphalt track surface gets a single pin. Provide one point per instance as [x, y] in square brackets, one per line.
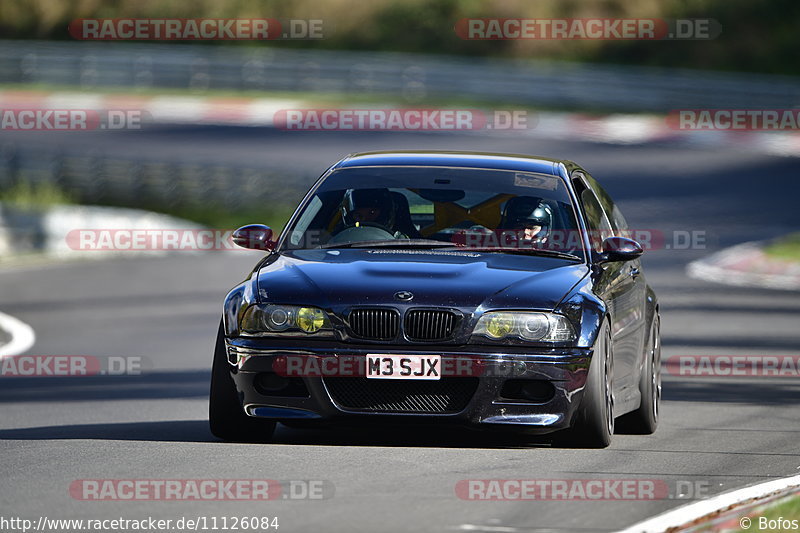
[720, 433]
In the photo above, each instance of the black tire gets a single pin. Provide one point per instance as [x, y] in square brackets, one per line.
[593, 423]
[226, 417]
[644, 420]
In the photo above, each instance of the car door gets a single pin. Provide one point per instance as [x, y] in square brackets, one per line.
[632, 296]
[616, 283]
[636, 305]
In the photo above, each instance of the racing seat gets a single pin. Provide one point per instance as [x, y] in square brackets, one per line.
[402, 214]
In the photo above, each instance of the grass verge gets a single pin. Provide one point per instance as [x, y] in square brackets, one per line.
[34, 196]
[786, 248]
[784, 516]
[275, 216]
[27, 196]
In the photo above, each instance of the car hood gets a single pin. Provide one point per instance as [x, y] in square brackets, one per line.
[466, 280]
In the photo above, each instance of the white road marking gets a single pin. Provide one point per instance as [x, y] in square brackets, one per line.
[488, 529]
[22, 336]
[688, 513]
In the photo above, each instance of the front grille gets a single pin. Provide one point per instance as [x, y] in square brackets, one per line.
[375, 324]
[447, 395]
[430, 325]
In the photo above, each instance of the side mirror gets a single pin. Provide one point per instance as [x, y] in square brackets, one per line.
[619, 249]
[254, 237]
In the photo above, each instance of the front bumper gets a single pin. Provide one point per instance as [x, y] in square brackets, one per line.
[487, 405]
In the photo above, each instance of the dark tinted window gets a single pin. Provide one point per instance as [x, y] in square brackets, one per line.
[599, 227]
[618, 223]
[451, 205]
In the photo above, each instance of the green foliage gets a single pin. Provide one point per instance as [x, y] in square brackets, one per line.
[785, 511]
[27, 195]
[274, 216]
[757, 35]
[786, 248]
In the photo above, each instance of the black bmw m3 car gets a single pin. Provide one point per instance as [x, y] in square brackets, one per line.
[490, 290]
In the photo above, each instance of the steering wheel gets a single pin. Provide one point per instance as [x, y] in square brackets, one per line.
[365, 231]
[369, 225]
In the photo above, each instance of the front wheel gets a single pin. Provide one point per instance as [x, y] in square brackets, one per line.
[593, 423]
[225, 414]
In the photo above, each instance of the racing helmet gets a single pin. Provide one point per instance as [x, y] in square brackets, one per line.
[368, 206]
[531, 215]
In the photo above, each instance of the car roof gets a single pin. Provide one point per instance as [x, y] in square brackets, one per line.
[435, 158]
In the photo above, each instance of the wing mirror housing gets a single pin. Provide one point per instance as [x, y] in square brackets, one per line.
[254, 237]
[619, 249]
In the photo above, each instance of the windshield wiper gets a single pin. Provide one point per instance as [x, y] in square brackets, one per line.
[522, 251]
[394, 243]
[430, 244]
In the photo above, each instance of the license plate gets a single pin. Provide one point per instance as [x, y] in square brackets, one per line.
[404, 366]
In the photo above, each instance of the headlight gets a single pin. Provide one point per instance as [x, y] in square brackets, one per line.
[526, 326]
[311, 319]
[499, 325]
[261, 320]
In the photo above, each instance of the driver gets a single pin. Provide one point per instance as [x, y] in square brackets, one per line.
[369, 207]
[531, 218]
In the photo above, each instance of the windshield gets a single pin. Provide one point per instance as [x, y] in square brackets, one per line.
[492, 210]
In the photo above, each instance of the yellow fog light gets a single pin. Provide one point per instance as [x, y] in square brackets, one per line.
[310, 319]
[526, 326]
[500, 325]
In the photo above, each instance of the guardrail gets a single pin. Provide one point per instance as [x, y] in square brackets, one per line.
[93, 177]
[90, 176]
[407, 76]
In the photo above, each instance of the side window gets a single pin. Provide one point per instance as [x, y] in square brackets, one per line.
[305, 220]
[618, 223]
[599, 227]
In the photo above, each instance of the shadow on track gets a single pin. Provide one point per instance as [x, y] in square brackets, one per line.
[163, 431]
[197, 431]
[195, 385]
[768, 391]
[407, 436]
[146, 386]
